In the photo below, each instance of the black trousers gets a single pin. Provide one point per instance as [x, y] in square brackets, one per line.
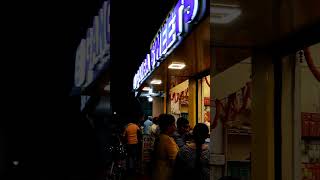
[133, 156]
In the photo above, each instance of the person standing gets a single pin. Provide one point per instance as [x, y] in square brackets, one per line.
[155, 129]
[147, 125]
[166, 149]
[132, 137]
[192, 161]
[181, 134]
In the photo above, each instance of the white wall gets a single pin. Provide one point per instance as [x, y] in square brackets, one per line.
[231, 80]
[310, 87]
[157, 106]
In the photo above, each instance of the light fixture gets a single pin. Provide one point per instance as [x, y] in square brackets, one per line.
[224, 13]
[146, 88]
[177, 65]
[150, 99]
[150, 91]
[156, 81]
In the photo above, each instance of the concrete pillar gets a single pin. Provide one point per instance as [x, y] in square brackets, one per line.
[262, 117]
[192, 102]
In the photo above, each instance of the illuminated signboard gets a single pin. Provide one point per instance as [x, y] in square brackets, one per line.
[93, 52]
[177, 24]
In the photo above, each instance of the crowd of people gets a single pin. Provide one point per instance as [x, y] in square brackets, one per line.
[179, 152]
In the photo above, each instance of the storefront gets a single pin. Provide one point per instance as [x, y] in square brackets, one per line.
[92, 81]
[92, 59]
[175, 77]
[244, 66]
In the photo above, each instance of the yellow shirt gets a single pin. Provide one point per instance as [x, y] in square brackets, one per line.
[165, 152]
[132, 133]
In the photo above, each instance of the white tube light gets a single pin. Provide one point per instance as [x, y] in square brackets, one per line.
[175, 65]
[156, 81]
[224, 14]
[146, 88]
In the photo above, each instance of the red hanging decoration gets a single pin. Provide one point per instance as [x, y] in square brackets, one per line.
[231, 108]
[227, 108]
[246, 93]
[176, 98]
[181, 95]
[173, 96]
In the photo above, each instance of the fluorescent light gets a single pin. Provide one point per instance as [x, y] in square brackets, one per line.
[176, 65]
[156, 81]
[146, 89]
[224, 14]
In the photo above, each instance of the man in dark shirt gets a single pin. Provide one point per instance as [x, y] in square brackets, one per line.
[182, 133]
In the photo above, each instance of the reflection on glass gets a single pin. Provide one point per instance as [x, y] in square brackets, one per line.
[309, 66]
[223, 13]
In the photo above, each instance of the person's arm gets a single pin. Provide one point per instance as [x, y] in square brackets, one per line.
[139, 135]
[172, 151]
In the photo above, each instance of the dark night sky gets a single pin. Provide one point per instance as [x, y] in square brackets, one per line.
[43, 129]
[135, 28]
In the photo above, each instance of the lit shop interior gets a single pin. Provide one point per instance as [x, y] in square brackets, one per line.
[208, 85]
[181, 84]
[258, 93]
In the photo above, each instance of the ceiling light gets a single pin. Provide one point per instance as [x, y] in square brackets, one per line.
[146, 89]
[156, 81]
[224, 14]
[175, 65]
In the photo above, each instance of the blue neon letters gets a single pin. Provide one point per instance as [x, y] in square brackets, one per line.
[171, 32]
[91, 51]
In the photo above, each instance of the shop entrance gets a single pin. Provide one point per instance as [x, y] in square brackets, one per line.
[204, 100]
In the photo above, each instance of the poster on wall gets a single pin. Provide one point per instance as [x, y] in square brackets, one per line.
[175, 107]
[147, 149]
[179, 96]
[234, 110]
